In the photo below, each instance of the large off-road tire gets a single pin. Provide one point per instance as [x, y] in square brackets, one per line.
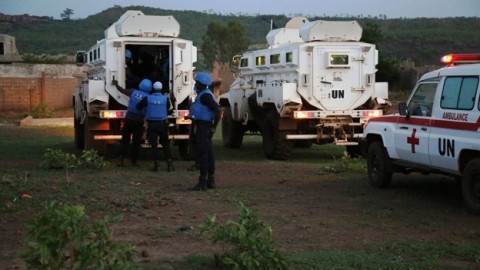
[471, 186]
[89, 142]
[87, 135]
[79, 133]
[232, 131]
[275, 144]
[378, 161]
[256, 111]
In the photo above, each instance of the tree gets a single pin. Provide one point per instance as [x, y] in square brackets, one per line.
[66, 14]
[221, 42]
[372, 33]
[388, 67]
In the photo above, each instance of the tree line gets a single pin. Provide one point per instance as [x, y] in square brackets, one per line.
[219, 36]
[423, 40]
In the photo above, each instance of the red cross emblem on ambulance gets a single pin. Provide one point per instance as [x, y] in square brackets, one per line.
[413, 140]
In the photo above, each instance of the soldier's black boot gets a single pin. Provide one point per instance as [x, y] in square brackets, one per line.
[202, 184]
[155, 166]
[170, 165]
[211, 182]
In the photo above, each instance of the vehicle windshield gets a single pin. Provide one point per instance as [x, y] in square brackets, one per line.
[422, 100]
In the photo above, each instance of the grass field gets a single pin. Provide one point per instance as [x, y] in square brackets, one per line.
[322, 212]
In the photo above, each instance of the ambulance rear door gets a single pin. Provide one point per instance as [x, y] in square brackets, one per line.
[456, 123]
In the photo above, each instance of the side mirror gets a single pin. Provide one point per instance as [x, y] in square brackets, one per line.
[403, 110]
[80, 58]
[235, 63]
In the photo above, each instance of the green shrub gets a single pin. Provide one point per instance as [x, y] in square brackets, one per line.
[346, 163]
[41, 111]
[250, 239]
[44, 59]
[62, 238]
[91, 159]
[57, 159]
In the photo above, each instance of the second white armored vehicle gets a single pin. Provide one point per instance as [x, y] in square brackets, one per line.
[315, 83]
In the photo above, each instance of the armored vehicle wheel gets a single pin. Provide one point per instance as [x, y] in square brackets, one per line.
[232, 131]
[89, 142]
[471, 186]
[88, 136]
[79, 134]
[275, 144]
[377, 165]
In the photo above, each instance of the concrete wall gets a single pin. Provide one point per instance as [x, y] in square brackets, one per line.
[24, 86]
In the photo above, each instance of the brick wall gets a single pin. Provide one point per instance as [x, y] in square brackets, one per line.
[24, 86]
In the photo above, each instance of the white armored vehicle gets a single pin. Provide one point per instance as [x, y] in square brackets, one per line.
[155, 50]
[315, 83]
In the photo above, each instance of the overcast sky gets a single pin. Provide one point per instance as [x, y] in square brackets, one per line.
[390, 8]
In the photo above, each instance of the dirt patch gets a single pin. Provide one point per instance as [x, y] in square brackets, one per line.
[309, 209]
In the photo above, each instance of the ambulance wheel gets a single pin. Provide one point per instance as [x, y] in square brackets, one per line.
[275, 144]
[377, 165]
[471, 186]
[232, 131]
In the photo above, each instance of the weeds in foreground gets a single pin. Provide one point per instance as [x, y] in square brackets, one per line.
[92, 160]
[57, 159]
[62, 238]
[250, 241]
[346, 163]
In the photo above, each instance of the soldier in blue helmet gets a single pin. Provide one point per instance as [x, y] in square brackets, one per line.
[131, 80]
[205, 114]
[128, 54]
[158, 107]
[134, 120]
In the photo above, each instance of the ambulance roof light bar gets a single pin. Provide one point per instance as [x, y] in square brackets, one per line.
[457, 59]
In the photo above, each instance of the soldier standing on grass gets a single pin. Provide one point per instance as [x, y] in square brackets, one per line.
[134, 120]
[158, 108]
[205, 114]
[215, 88]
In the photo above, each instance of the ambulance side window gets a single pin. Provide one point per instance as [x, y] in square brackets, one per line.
[459, 93]
[421, 102]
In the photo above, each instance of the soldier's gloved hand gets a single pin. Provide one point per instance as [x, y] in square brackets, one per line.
[114, 82]
[188, 117]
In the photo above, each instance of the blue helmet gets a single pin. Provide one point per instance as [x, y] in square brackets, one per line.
[157, 86]
[203, 78]
[145, 85]
[128, 53]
